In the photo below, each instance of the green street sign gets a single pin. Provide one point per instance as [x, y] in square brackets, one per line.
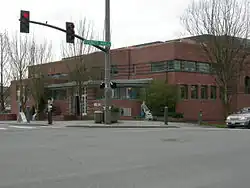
[97, 43]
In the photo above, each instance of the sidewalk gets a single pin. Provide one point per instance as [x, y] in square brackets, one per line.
[91, 124]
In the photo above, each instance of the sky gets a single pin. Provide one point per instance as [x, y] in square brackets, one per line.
[132, 21]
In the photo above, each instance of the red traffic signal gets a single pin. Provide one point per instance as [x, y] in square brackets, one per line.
[26, 15]
[24, 21]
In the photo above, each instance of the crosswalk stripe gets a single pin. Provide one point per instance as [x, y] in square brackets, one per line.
[22, 127]
[3, 128]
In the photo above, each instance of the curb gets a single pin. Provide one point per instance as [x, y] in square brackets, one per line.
[120, 126]
[29, 124]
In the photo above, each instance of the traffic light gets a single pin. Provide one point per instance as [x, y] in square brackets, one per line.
[24, 21]
[70, 32]
[113, 85]
[102, 85]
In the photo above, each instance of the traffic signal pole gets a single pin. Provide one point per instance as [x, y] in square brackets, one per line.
[63, 30]
[107, 91]
[106, 50]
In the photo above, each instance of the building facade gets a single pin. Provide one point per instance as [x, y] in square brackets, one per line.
[180, 62]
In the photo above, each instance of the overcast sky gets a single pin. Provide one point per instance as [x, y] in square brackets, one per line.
[132, 21]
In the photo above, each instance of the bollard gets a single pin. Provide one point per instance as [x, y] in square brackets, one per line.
[166, 115]
[200, 117]
[28, 114]
[49, 112]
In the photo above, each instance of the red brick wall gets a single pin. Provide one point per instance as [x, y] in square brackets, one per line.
[141, 57]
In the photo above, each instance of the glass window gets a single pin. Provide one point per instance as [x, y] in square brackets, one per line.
[60, 94]
[174, 65]
[184, 91]
[158, 67]
[114, 69]
[203, 67]
[204, 92]
[221, 92]
[125, 93]
[247, 85]
[189, 66]
[116, 93]
[194, 92]
[213, 68]
[213, 92]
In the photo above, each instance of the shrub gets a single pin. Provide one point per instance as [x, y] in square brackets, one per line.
[115, 109]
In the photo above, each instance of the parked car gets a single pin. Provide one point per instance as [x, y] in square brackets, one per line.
[239, 119]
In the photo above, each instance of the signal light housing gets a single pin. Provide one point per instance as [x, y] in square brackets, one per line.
[24, 21]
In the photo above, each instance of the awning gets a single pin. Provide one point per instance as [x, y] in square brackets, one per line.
[119, 82]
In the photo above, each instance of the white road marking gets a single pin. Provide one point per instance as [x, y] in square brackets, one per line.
[22, 127]
[53, 127]
[2, 128]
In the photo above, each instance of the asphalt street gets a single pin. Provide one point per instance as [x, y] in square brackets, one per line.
[124, 158]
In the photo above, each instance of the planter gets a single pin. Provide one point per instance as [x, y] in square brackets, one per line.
[7, 117]
[115, 116]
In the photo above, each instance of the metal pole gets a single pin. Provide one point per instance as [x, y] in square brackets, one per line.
[2, 94]
[107, 90]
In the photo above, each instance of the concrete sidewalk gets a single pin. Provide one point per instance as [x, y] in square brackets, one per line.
[91, 124]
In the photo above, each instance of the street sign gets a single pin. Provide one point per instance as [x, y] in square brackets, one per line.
[97, 43]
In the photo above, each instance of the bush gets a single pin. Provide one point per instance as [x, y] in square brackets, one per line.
[115, 109]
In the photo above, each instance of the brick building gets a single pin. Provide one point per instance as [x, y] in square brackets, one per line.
[181, 62]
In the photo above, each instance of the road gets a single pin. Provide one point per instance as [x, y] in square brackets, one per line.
[124, 158]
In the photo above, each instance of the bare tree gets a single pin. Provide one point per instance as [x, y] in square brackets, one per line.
[224, 26]
[38, 53]
[79, 72]
[4, 42]
[18, 50]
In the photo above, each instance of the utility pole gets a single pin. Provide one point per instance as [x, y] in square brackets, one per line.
[1, 61]
[107, 91]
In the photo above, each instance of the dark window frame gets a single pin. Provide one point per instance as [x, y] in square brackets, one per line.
[247, 84]
[187, 66]
[173, 65]
[114, 69]
[185, 87]
[204, 91]
[196, 96]
[213, 92]
[154, 67]
[201, 67]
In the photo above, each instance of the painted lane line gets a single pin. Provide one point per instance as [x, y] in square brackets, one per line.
[2, 128]
[22, 127]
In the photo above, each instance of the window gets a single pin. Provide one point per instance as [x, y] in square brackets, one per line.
[114, 69]
[184, 91]
[247, 85]
[59, 94]
[125, 93]
[204, 92]
[213, 92]
[204, 67]
[189, 66]
[174, 65]
[194, 92]
[133, 69]
[158, 67]
[213, 68]
[221, 92]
